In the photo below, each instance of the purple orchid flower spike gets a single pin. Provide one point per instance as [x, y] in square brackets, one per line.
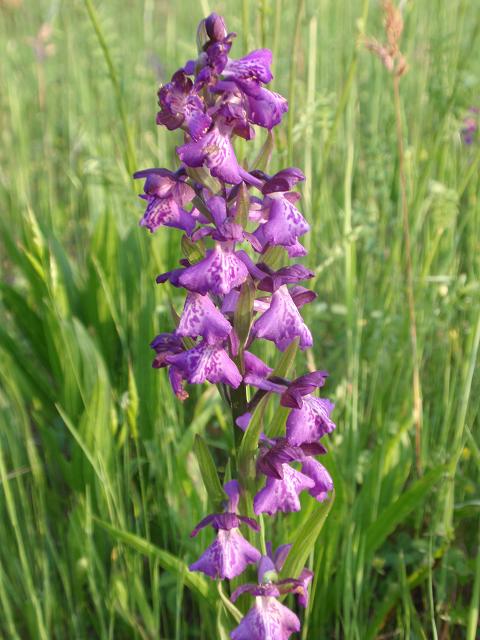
[234, 221]
[201, 317]
[282, 323]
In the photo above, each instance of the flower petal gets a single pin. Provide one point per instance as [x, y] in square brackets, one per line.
[285, 223]
[227, 557]
[282, 495]
[282, 323]
[206, 362]
[323, 481]
[311, 421]
[216, 151]
[267, 620]
[201, 317]
[219, 272]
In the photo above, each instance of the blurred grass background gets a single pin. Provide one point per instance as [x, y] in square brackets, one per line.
[89, 431]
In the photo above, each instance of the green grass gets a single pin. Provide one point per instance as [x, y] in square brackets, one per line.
[99, 485]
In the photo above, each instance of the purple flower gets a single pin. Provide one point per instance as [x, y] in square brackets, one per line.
[282, 323]
[181, 106]
[206, 362]
[311, 421]
[200, 317]
[229, 554]
[267, 620]
[214, 150]
[285, 223]
[282, 495]
[219, 272]
[166, 193]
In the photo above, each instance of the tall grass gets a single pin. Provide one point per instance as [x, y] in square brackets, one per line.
[99, 487]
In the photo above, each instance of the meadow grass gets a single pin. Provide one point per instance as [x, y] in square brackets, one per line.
[99, 486]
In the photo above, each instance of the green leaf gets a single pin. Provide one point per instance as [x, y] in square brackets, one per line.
[243, 205]
[286, 361]
[396, 512]
[203, 176]
[263, 158]
[209, 472]
[274, 257]
[192, 250]
[249, 444]
[305, 539]
[243, 315]
[166, 560]
[276, 428]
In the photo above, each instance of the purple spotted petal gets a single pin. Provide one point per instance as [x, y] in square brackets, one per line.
[206, 362]
[219, 272]
[227, 557]
[165, 211]
[282, 323]
[323, 481]
[216, 151]
[254, 66]
[201, 317]
[267, 620]
[310, 422]
[285, 223]
[180, 105]
[282, 495]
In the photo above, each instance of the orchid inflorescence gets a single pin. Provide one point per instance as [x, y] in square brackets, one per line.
[238, 226]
